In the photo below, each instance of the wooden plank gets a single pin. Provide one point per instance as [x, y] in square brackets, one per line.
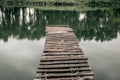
[61, 39]
[62, 66]
[59, 50]
[87, 77]
[85, 73]
[62, 53]
[60, 34]
[63, 47]
[67, 56]
[65, 78]
[57, 75]
[62, 59]
[61, 43]
[54, 38]
[63, 70]
[63, 62]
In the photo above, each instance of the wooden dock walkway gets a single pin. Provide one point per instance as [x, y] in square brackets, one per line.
[62, 58]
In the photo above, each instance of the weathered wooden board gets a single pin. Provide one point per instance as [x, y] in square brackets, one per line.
[84, 73]
[62, 53]
[62, 66]
[63, 62]
[64, 70]
[62, 58]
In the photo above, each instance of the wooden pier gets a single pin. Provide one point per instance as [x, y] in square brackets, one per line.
[62, 58]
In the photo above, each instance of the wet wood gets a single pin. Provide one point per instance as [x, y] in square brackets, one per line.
[62, 58]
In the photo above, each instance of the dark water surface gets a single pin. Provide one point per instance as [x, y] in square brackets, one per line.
[22, 37]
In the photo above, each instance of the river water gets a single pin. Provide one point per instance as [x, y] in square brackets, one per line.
[22, 38]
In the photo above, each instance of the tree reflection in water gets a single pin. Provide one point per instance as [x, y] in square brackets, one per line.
[30, 23]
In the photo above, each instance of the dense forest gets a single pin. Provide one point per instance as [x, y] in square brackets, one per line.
[30, 23]
[18, 21]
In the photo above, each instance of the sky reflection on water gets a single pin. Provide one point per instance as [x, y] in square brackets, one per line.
[103, 58]
[19, 58]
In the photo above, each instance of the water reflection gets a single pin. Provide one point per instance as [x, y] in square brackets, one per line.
[30, 23]
[20, 23]
[19, 58]
[103, 58]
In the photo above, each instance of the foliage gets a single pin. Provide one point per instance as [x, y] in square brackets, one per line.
[100, 25]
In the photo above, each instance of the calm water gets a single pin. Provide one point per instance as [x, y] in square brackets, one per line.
[22, 37]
